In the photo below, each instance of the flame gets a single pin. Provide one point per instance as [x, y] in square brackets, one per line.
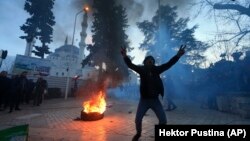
[96, 104]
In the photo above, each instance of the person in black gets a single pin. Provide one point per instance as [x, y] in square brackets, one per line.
[4, 90]
[15, 93]
[39, 89]
[45, 90]
[23, 87]
[30, 88]
[151, 86]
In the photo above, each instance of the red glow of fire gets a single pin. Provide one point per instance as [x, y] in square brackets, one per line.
[96, 104]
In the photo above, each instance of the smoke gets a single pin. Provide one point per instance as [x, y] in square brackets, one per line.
[91, 87]
[64, 23]
[61, 34]
[80, 3]
[64, 12]
[134, 9]
[140, 9]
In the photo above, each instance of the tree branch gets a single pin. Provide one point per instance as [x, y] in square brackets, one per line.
[242, 10]
[242, 35]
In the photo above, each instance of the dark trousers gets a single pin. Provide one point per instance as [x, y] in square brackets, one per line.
[2, 98]
[38, 98]
[15, 101]
[7, 100]
[143, 107]
[27, 97]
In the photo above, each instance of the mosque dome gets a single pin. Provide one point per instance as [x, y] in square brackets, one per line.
[68, 49]
[66, 57]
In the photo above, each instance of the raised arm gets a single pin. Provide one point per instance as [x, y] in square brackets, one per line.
[173, 60]
[129, 62]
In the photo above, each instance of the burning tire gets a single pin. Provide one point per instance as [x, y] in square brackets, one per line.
[91, 116]
[94, 108]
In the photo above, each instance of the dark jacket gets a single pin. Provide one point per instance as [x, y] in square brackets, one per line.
[40, 86]
[151, 83]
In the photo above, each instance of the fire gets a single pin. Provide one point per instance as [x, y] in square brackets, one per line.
[96, 104]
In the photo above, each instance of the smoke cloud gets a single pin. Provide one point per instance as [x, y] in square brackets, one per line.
[134, 9]
[61, 34]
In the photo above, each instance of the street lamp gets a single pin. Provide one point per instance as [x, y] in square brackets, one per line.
[85, 9]
[75, 26]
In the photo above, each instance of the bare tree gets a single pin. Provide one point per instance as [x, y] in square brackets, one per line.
[232, 19]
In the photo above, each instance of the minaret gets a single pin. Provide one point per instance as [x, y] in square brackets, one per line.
[66, 40]
[83, 34]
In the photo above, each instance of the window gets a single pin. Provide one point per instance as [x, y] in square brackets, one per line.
[62, 73]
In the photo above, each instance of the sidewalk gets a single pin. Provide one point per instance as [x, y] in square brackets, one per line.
[54, 120]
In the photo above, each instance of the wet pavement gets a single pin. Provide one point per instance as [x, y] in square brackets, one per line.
[55, 120]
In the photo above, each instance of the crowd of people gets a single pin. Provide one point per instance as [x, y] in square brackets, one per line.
[18, 89]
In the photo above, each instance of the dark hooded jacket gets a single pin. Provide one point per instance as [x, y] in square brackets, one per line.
[151, 83]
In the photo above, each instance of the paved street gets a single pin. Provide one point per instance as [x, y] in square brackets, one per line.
[54, 120]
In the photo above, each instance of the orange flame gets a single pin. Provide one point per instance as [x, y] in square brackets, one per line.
[97, 104]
